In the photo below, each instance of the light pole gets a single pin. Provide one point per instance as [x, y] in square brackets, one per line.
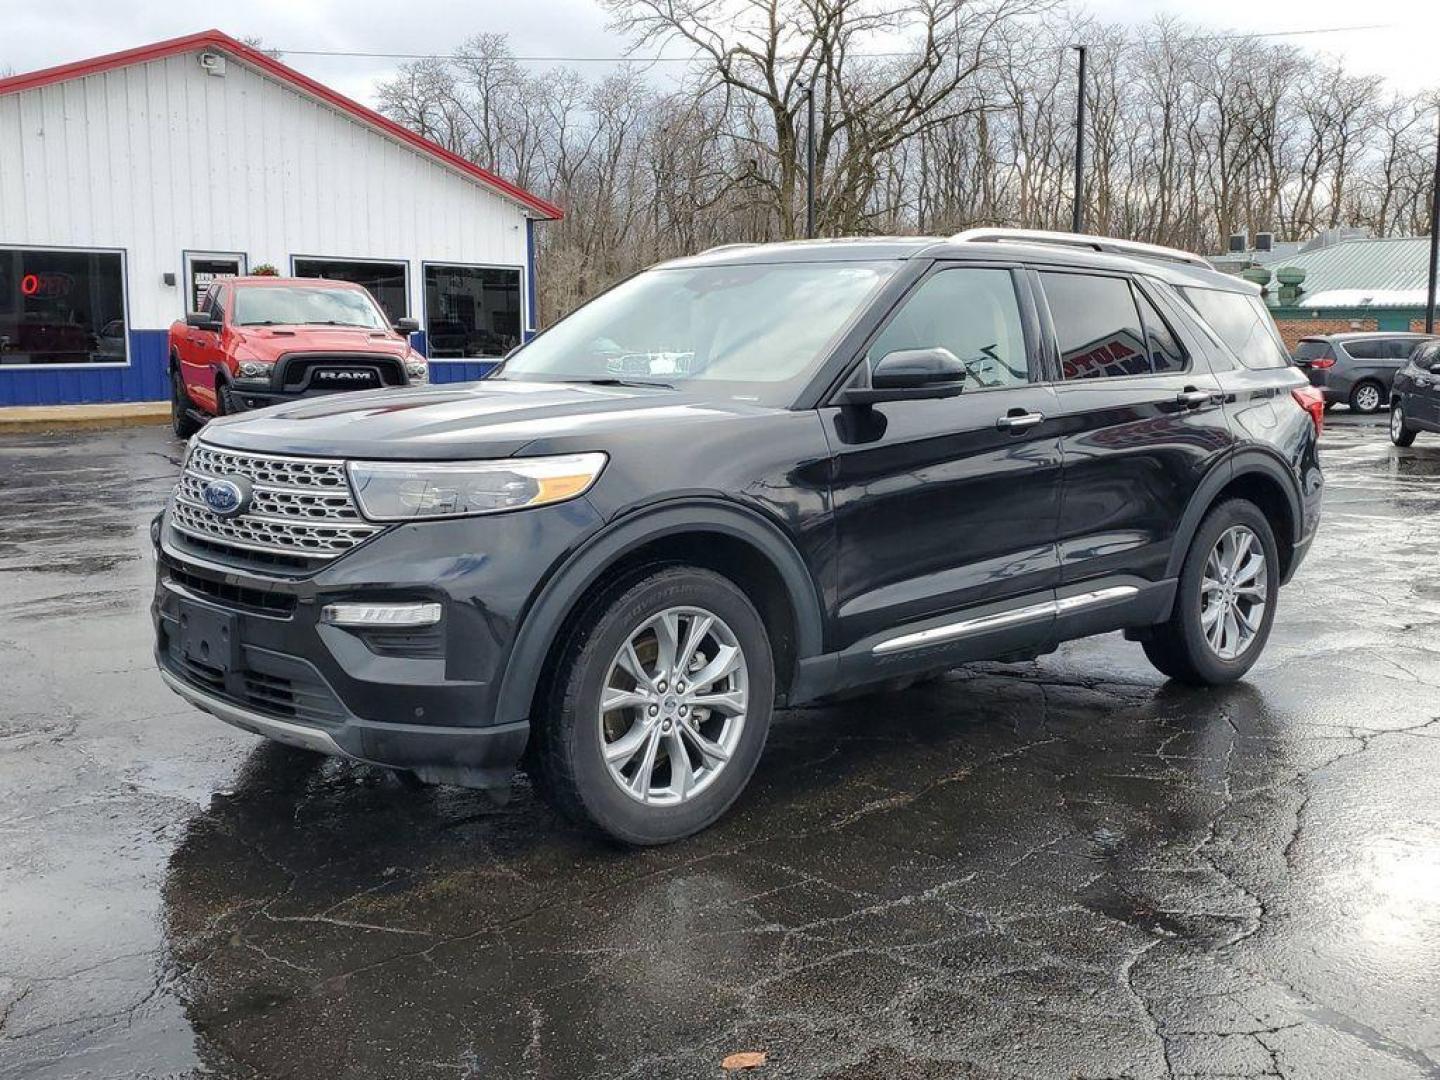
[809, 89]
[1434, 231]
[1077, 213]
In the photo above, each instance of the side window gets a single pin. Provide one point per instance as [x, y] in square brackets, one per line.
[1097, 325]
[1399, 348]
[1365, 349]
[972, 312]
[217, 303]
[1246, 327]
[1166, 352]
[208, 301]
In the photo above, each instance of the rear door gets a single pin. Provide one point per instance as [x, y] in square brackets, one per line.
[1142, 424]
[950, 504]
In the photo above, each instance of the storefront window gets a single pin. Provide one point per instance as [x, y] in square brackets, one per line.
[385, 280]
[471, 311]
[61, 307]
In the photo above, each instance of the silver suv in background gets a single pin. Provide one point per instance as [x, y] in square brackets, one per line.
[1356, 369]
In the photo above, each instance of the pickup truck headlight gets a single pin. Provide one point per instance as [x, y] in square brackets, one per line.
[254, 369]
[416, 371]
[417, 490]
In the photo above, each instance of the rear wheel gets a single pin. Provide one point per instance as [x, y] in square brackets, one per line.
[1225, 602]
[181, 419]
[1366, 398]
[659, 707]
[1401, 433]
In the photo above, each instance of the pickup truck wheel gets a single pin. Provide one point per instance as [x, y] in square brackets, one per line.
[659, 707]
[183, 423]
[1225, 602]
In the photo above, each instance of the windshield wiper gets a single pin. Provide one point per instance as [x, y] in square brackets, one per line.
[611, 381]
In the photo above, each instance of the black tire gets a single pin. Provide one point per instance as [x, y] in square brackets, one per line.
[1401, 433]
[182, 421]
[1178, 647]
[1367, 397]
[566, 741]
[224, 401]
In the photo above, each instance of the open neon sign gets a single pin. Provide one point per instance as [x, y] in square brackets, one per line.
[45, 286]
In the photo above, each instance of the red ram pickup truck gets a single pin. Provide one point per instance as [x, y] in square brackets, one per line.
[257, 341]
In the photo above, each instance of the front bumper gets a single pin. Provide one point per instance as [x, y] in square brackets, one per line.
[476, 757]
[248, 645]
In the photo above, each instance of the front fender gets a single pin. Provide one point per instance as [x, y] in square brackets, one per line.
[557, 599]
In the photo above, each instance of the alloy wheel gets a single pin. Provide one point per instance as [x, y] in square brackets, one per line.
[1233, 592]
[1397, 423]
[1367, 398]
[673, 706]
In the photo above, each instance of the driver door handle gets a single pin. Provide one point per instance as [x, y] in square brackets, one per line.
[1019, 421]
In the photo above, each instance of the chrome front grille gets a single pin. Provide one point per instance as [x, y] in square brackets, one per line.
[300, 508]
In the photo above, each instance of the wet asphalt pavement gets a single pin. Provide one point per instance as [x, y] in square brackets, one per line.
[1059, 869]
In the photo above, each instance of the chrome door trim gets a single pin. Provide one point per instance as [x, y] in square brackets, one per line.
[966, 627]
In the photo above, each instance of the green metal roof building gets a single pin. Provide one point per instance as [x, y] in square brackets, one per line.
[1383, 281]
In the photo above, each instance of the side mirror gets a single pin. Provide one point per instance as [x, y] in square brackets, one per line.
[407, 326]
[202, 320]
[1435, 368]
[910, 375]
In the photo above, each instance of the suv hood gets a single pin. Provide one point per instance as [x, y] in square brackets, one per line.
[272, 342]
[486, 419]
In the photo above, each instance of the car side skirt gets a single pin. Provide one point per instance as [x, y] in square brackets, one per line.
[1023, 626]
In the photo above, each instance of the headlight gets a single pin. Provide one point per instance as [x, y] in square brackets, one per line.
[416, 371]
[250, 369]
[410, 490]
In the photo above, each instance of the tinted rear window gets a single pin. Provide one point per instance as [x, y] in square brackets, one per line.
[1312, 350]
[1366, 349]
[1242, 323]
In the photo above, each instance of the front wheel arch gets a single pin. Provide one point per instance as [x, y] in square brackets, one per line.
[699, 533]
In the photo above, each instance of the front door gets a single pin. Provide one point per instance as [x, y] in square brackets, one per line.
[1143, 422]
[1421, 387]
[950, 505]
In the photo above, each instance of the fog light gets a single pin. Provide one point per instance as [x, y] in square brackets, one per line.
[417, 372]
[380, 615]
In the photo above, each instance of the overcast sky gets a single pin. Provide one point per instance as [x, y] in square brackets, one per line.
[39, 33]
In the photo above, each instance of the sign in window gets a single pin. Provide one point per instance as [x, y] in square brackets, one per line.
[62, 307]
[203, 269]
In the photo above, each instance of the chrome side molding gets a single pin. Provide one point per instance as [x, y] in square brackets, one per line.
[967, 627]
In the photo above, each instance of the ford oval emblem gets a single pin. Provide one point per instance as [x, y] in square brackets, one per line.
[228, 497]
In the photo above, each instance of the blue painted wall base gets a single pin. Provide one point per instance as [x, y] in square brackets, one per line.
[145, 379]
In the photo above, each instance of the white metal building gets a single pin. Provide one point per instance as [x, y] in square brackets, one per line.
[129, 181]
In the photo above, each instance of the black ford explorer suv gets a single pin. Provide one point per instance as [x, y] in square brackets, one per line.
[743, 480]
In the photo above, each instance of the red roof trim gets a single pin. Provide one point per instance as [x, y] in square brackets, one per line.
[214, 39]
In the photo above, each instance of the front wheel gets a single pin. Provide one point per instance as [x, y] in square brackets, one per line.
[181, 420]
[1366, 398]
[1401, 434]
[659, 706]
[1225, 602]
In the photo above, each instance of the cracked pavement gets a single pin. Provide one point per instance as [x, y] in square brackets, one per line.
[1064, 868]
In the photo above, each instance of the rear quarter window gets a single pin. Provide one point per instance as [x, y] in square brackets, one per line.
[1243, 324]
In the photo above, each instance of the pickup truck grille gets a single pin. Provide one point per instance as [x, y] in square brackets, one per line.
[300, 508]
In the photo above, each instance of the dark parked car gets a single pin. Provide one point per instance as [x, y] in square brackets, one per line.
[1356, 369]
[878, 459]
[1415, 396]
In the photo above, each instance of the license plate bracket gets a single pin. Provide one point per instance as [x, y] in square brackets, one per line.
[208, 636]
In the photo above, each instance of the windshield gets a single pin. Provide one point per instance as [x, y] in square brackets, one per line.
[300, 305]
[751, 331]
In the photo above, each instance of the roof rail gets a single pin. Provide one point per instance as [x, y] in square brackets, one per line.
[1081, 240]
[727, 247]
